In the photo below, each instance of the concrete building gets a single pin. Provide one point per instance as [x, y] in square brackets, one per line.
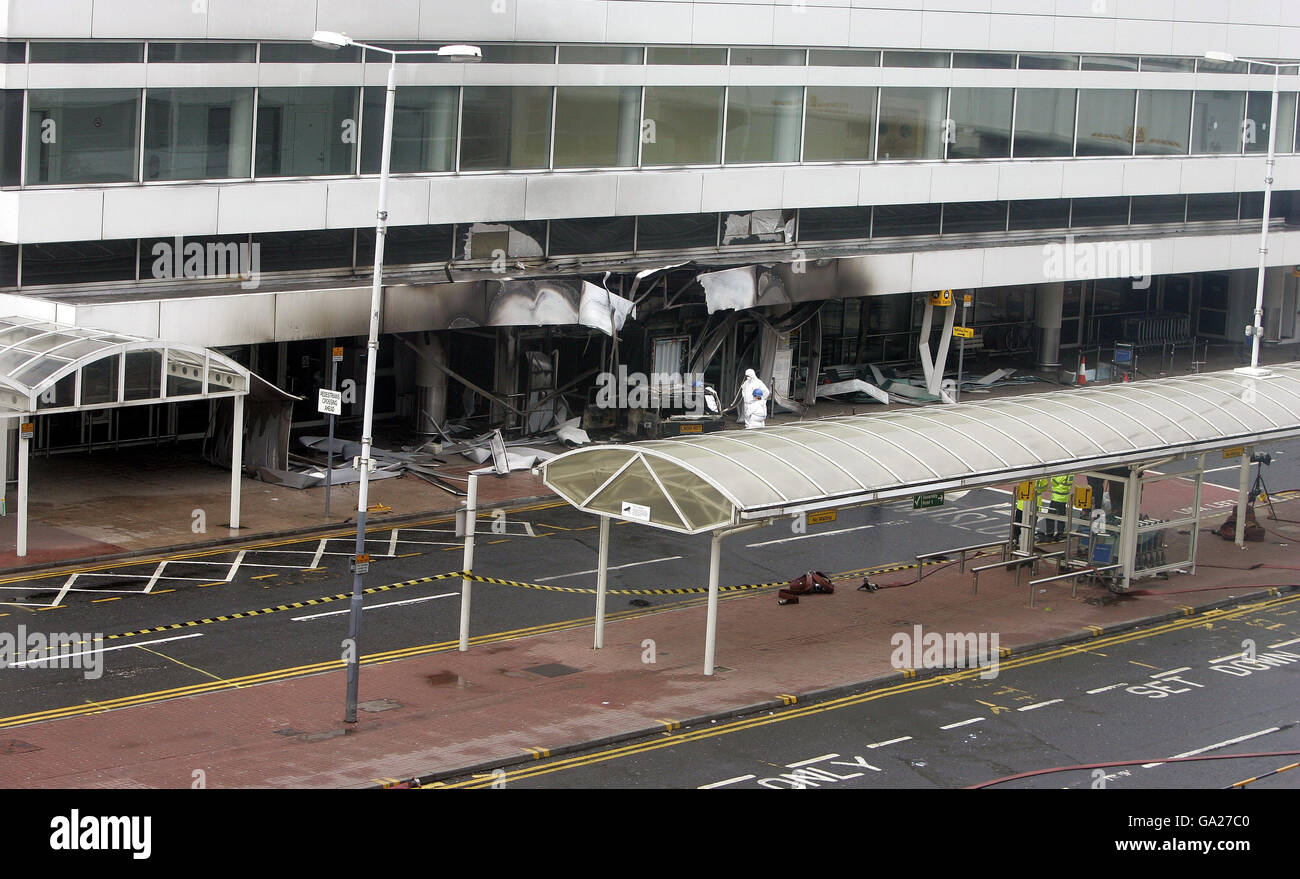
[770, 183]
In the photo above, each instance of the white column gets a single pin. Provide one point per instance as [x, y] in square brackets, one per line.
[1129, 525]
[236, 459]
[1243, 496]
[711, 627]
[602, 580]
[471, 513]
[4, 466]
[1049, 306]
[23, 452]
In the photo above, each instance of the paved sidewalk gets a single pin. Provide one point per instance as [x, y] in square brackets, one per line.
[487, 707]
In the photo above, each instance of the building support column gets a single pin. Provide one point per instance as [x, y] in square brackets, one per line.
[1049, 303]
[711, 626]
[1128, 526]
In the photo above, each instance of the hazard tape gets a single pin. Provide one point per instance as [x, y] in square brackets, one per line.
[683, 590]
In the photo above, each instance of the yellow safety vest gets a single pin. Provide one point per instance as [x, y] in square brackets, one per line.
[1061, 486]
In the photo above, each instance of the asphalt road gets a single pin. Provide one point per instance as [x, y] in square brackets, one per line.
[1170, 690]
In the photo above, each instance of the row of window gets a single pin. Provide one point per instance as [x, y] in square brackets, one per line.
[110, 52]
[101, 135]
[163, 259]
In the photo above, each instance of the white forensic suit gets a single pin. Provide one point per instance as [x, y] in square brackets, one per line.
[753, 400]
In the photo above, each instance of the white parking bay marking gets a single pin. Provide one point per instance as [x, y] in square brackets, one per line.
[669, 558]
[1224, 744]
[331, 613]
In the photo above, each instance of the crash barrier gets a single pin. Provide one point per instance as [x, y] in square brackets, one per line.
[1074, 587]
[1157, 330]
[1017, 563]
[961, 550]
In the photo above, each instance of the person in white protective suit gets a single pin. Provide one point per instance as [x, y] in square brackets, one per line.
[753, 400]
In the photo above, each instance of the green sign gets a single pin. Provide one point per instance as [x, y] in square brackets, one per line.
[926, 501]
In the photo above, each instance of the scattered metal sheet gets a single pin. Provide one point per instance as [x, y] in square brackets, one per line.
[852, 386]
[995, 375]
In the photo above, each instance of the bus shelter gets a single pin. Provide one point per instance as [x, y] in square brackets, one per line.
[48, 368]
[727, 482]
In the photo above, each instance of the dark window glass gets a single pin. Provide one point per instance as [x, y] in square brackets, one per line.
[916, 59]
[981, 123]
[304, 131]
[1252, 206]
[768, 57]
[1105, 122]
[601, 54]
[592, 235]
[843, 58]
[1109, 62]
[685, 55]
[424, 129]
[1040, 213]
[1216, 122]
[1205, 65]
[1259, 109]
[13, 52]
[505, 127]
[8, 265]
[1044, 123]
[201, 53]
[974, 216]
[406, 245]
[1284, 70]
[682, 125]
[205, 256]
[834, 224]
[1108, 211]
[983, 61]
[1170, 65]
[82, 135]
[597, 126]
[299, 251]
[77, 262]
[306, 53]
[839, 125]
[11, 132]
[522, 238]
[1049, 62]
[1212, 206]
[911, 123]
[1158, 208]
[511, 54]
[763, 123]
[90, 52]
[671, 231]
[906, 219]
[196, 134]
[1164, 119]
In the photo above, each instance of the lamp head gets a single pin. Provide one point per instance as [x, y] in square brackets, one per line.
[1225, 57]
[330, 40]
[461, 53]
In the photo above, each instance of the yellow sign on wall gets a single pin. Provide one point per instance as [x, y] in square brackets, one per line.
[1083, 497]
[964, 332]
[941, 297]
[1024, 491]
[1234, 452]
[821, 517]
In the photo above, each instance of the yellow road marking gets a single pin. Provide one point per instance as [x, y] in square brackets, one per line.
[99, 600]
[185, 664]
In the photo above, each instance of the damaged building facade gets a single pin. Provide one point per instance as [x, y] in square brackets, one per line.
[683, 190]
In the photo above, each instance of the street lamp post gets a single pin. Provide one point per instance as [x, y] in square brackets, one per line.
[331, 40]
[1256, 332]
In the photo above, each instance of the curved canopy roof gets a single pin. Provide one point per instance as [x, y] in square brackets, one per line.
[47, 367]
[708, 482]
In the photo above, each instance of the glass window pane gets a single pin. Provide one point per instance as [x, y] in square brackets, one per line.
[424, 129]
[198, 134]
[298, 251]
[205, 256]
[1164, 120]
[974, 216]
[1040, 213]
[11, 132]
[1108, 211]
[523, 238]
[306, 131]
[834, 224]
[843, 58]
[407, 245]
[505, 127]
[763, 123]
[8, 265]
[1216, 122]
[1158, 209]
[905, 219]
[1252, 206]
[983, 61]
[201, 53]
[306, 53]
[758, 227]
[514, 54]
[840, 124]
[592, 235]
[1109, 62]
[685, 55]
[749, 55]
[1173, 65]
[1049, 62]
[981, 123]
[596, 126]
[911, 123]
[13, 52]
[916, 59]
[682, 125]
[78, 262]
[90, 52]
[1259, 109]
[1044, 123]
[601, 54]
[1105, 122]
[670, 231]
[1205, 65]
[76, 136]
[1212, 206]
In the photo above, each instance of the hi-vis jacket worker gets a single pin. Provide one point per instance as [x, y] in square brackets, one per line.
[753, 400]
[1062, 485]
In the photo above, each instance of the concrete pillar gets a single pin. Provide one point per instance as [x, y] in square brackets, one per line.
[4, 466]
[602, 581]
[430, 383]
[236, 459]
[1276, 302]
[1049, 300]
[629, 126]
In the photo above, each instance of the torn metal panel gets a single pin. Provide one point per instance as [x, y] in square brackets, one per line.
[852, 386]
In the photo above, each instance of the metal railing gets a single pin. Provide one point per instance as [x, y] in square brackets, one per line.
[1017, 563]
[961, 550]
[1074, 589]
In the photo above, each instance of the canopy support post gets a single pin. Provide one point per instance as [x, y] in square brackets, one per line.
[602, 580]
[471, 515]
[24, 445]
[236, 460]
[1243, 496]
[1128, 530]
[4, 466]
[711, 627]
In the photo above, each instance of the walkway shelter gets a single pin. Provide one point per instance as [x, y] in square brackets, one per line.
[731, 481]
[48, 368]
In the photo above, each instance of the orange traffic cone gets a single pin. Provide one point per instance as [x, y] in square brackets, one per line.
[1083, 371]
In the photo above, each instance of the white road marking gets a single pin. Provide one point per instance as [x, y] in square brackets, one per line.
[1240, 654]
[332, 613]
[50, 656]
[1284, 644]
[814, 534]
[392, 538]
[1254, 735]
[1039, 704]
[1165, 674]
[320, 550]
[813, 760]
[962, 723]
[669, 558]
[234, 566]
[890, 742]
[939, 511]
[999, 490]
[1104, 689]
[736, 780]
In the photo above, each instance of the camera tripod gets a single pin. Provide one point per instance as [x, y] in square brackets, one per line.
[1259, 487]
